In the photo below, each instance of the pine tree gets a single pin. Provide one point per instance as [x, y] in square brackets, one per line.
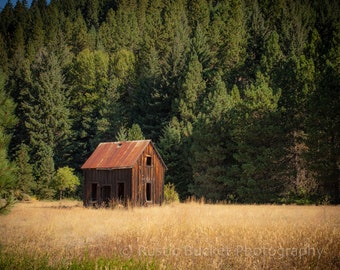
[151, 104]
[88, 78]
[258, 31]
[228, 35]
[175, 150]
[163, 59]
[25, 184]
[79, 40]
[176, 34]
[3, 54]
[210, 148]
[206, 56]
[7, 168]
[323, 121]
[135, 133]
[54, 19]
[7, 18]
[106, 32]
[297, 87]
[121, 135]
[36, 35]
[272, 58]
[258, 136]
[44, 170]
[199, 14]
[130, 134]
[20, 13]
[92, 10]
[47, 118]
[127, 31]
[192, 92]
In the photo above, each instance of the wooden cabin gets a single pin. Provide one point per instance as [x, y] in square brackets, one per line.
[122, 171]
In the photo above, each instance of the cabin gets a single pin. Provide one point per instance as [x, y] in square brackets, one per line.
[124, 171]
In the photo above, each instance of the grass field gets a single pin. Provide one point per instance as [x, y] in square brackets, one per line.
[64, 235]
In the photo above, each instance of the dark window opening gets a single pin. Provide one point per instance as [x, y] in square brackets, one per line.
[94, 192]
[148, 191]
[106, 194]
[148, 161]
[120, 191]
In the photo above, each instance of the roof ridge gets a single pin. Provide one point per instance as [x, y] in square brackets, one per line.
[149, 140]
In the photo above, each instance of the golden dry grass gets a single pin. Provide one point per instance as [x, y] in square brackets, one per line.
[182, 236]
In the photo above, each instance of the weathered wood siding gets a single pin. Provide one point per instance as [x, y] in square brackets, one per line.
[145, 179]
[106, 178]
[144, 173]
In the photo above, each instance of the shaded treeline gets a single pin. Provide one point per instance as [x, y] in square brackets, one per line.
[241, 97]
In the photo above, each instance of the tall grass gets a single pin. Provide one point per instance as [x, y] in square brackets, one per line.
[181, 236]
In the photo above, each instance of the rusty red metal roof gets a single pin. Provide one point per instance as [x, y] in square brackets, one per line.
[117, 155]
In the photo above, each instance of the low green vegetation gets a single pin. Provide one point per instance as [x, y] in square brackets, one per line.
[9, 261]
[170, 194]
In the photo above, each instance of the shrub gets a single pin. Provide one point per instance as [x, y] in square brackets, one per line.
[170, 194]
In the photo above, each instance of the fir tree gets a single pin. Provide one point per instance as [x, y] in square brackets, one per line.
[47, 117]
[323, 121]
[174, 148]
[192, 92]
[210, 145]
[25, 184]
[258, 136]
[88, 78]
[7, 168]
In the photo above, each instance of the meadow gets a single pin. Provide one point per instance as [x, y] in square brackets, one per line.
[192, 235]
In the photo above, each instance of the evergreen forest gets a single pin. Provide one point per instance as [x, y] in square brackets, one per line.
[240, 97]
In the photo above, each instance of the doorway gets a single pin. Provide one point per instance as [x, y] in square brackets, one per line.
[120, 191]
[106, 194]
[148, 192]
[94, 194]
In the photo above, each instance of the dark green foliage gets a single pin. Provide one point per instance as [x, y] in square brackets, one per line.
[7, 168]
[174, 147]
[259, 145]
[211, 148]
[47, 118]
[324, 111]
[240, 96]
[25, 184]
[89, 91]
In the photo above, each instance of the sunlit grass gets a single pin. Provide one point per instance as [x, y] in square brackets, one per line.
[181, 236]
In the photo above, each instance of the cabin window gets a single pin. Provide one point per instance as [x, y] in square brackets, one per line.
[120, 191]
[94, 192]
[148, 161]
[148, 191]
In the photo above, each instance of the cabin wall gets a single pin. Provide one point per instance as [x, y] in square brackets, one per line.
[109, 183]
[148, 175]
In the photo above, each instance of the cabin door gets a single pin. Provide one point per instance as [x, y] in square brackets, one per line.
[120, 191]
[106, 194]
[94, 193]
